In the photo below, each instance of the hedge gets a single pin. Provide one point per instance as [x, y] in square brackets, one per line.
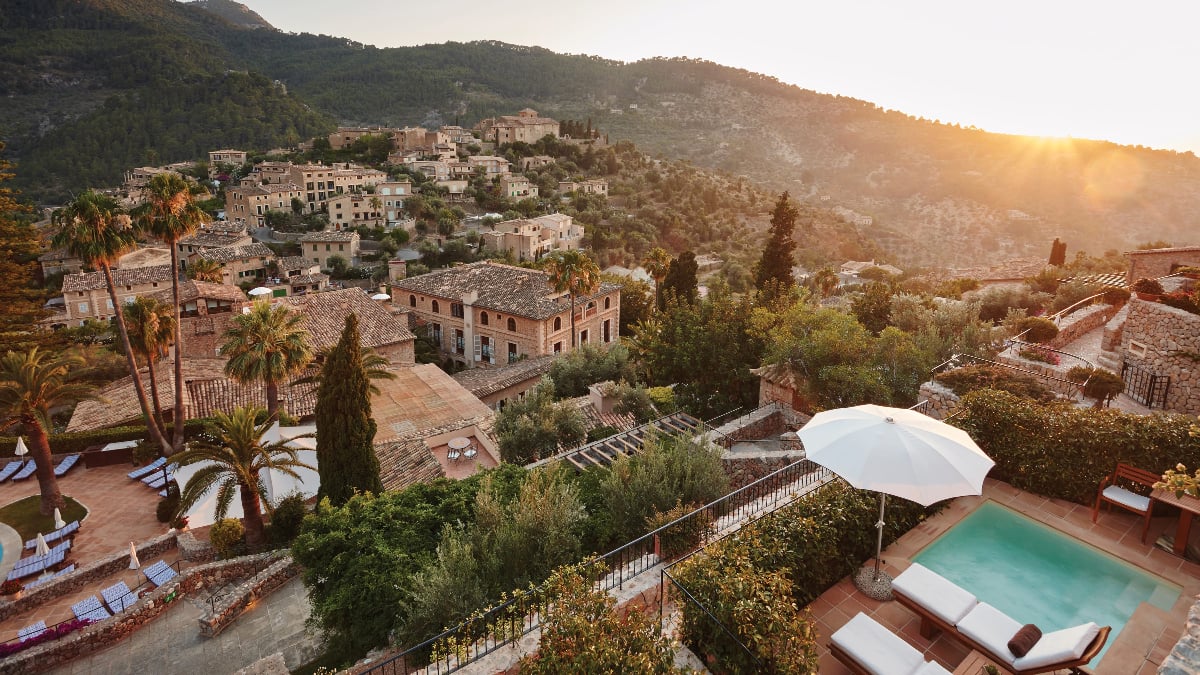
[68, 443]
[755, 580]
[1061, 451]
[976, 376]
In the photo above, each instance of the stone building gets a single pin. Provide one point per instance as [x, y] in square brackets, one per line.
[530, 239]
[239, 264]
[526, 126]
[1158, 262]
[249, 204]
[321, 246]
[490, 313]
[1160, 350]
[351, 210]
[192, 244]
[235, 157]
[325, 317]
[205, 310]
[85, 294]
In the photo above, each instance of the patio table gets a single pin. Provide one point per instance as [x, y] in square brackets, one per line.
[457, 445]
[1188, 507]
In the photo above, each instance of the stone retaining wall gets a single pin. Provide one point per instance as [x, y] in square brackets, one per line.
[1114, 329]
[1047, 371]
[941, 399]
[106, 633]
[194, 549]
[84, 576]
[1167, 343]
[229, 608]
[1078, 323]
[745, 470]
[1184, 658]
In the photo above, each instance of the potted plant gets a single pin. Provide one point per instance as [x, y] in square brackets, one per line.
[11, 589]
[1189, 271]
[1147, 289]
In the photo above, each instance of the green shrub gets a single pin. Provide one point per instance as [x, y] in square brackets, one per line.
[227, 537]
[1116, 296]
[67, 443]
[1149, 286]
[981, 376]
[286, 519]
[1036, 329]
[663, 399]
[601, 432]
[1182, 300]
[1060, 451]
[145, 452]
[168, 507]
[682, 537]
[1101, 385]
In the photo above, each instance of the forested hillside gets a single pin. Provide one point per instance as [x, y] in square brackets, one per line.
[929, 192]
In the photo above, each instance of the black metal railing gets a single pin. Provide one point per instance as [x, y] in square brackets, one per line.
[507, 622]
[1145, 387]
[689, 599]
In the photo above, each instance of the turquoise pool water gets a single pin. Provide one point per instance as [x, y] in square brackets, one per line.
[1036, 574]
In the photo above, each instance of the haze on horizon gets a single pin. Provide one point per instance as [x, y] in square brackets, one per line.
[1101, 69]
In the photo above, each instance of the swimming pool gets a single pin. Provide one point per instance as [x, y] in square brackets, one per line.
[1036, 574]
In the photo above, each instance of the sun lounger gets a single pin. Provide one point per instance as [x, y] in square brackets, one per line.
[40, 563]
[41, 580]
[9, 469]
[90, 610]
[118, 597]
[868, 648]
[31, 631]
[160, 573]
[160, 478]
[66, 531]
[66, 465]
[26, 471]
[940, 604]
[138, 474]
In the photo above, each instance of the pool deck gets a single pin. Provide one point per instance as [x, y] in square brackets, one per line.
[1139, 648]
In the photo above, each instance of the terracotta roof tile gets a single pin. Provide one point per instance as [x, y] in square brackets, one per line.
[503, 288]
[230, 253]
[325, 317]
[405, 462]
[192, 290]
[331, 235]
[213, 239]
[86, 281]
[484, 382]
[294, 262]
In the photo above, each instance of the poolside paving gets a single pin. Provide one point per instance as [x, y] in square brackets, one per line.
[1137, 650]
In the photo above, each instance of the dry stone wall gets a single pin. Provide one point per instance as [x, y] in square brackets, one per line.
[941, 399]
[1166, 341]
[1184, 658]
[1079, 323]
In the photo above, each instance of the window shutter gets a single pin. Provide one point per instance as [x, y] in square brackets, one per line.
[478, 349]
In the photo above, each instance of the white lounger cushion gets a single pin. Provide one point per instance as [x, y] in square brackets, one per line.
[991, 628]
[1060, 646]
[940, 596]
[1133, 500]
[876, 648]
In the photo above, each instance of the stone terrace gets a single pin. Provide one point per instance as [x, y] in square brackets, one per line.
[120, 511]
[1144, 642]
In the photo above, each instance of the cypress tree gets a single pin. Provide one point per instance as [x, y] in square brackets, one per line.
[345, 429]
[778, 256]
[681, 280]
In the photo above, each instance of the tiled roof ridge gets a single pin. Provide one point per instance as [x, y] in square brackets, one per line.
[84, 281]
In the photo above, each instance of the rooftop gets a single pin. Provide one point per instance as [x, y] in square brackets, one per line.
[213, 239]
[294, 262]
[325, 317]
[330, 235]
[226, 254]
[503, 288]
[137, 276]
[193, 290]
[486, 381]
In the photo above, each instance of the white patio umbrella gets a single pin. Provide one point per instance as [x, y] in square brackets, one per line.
[134, 563]
[21, 450]
[895, 451]
[381, 296]
[59, 523]
[261, 290]
[42, 547]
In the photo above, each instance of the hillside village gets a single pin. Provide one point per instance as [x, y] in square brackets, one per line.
[536, 347]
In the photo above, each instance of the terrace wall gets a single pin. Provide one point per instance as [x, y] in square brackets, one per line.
[1081, 322]
[1166, 341]
[941, 399]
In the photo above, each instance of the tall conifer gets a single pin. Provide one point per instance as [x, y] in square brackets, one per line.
[345, 429]
[778, 256]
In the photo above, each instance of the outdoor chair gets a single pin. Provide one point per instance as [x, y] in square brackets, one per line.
[90, 609]
[868, 648]
[138, 474]
[49, 577]
[1122, 495]
[63, 532]
[26, 471]
[66, 465]
[938, 601]
[160, 573]
[9, 469]
[31, 631]
[118, 597]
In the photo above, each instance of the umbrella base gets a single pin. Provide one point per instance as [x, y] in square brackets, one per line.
[876, 587]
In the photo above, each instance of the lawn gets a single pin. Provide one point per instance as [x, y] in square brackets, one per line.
[23, 516]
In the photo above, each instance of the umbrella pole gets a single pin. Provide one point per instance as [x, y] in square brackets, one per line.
[879, 537]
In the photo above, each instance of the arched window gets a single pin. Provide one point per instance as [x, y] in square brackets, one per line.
[483, 318]
[607, 302]
[412, 301]
[557, 323]
[434, 307]
[512, 324]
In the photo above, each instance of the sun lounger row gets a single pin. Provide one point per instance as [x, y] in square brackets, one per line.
[160, 573]
[868, 648]
[118, 597]
[26, 471]
[942, 605]
[20, 470]
[66, 531]
[161, 477]
[9, 469]
[31, 631]
[40, 563]
[90, 609]
[41, 580]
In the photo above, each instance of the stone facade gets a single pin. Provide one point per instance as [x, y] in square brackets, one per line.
[1166, 341]
[1114, 330]
[1184, 658]
[232, 604]
[1075, 325]
[941, 399]
[1159, 262]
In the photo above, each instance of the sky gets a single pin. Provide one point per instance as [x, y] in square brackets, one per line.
[1101, 69]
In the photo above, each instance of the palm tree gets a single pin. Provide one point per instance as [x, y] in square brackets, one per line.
[657, 262]
[95, 229]
[31, 385]
[574, 273]
[151, 330]
[236, 453]
[266, 345]
[170, 214]
[203, 269]
[825, 280]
